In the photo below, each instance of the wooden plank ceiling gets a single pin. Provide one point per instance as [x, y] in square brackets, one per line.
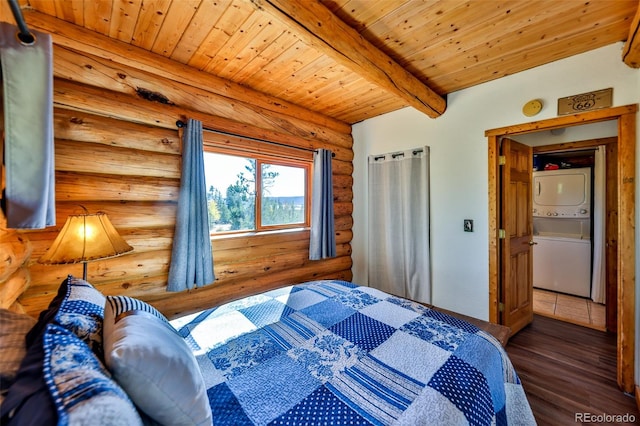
[445, 45]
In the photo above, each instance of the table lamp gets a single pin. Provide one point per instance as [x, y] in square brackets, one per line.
[84, 238]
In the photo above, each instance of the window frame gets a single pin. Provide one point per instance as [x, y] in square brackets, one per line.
[280, 160]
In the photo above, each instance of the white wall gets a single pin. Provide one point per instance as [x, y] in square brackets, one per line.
[459, 163]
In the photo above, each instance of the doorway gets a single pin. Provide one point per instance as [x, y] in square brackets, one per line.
[589, 295]
[625, 259]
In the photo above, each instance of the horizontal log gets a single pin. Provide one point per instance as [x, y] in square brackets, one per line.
[235, 145]
[141, 214]
[146, 260]
[342, 167]
[72, 157]
[342, 194]
[148, 239]
[131, 214]
[34, 304]
[13, 287]
[91, 70]
[315, 267]
[237, 128]
[345, 275]
[342, 182]
[15, 250]
[342, 208]
[92, 187]
[153, 288]
[256, 267]
[269, 251]
[344, 222]
[141, 239]
[42, 240]
[256, 241]
[216, 294]
[72, 36]
[81, 126]
[123, 214]
[127, 266]
[231, 242]
[236, 242]
[138, 287]
[80, 97]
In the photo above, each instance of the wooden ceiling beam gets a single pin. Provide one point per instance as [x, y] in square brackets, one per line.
[631, 50]
[318, 27]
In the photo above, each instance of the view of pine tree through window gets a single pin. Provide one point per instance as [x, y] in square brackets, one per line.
[232, 196]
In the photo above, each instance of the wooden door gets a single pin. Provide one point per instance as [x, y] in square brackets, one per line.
[516, 220]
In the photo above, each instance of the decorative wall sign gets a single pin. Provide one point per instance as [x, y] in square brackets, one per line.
[585, 102]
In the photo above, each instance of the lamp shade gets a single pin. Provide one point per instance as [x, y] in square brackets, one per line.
[84, 238]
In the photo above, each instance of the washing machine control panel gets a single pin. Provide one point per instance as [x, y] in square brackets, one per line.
[560, 212]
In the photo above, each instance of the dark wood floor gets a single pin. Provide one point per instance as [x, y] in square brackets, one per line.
[567, 369]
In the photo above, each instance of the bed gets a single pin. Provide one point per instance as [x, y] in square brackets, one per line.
[320, 352]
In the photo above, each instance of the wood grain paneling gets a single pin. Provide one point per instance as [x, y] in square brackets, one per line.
[80, 127]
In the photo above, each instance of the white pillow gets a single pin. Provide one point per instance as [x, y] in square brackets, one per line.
[153, 363]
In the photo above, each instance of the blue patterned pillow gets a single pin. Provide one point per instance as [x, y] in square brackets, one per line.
[81, 387]
[82, 312]
[123, 306]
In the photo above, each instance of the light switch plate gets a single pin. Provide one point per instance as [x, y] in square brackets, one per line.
[468, 225]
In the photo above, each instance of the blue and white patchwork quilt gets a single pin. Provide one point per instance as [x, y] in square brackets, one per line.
[330, 352]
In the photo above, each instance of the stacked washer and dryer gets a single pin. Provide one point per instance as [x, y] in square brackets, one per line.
[562, 230]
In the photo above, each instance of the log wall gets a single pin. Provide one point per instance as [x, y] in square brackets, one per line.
[117, 150]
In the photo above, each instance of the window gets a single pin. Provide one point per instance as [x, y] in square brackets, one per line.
[256, 193]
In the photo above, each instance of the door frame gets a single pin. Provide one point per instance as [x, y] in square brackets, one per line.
[626, 120]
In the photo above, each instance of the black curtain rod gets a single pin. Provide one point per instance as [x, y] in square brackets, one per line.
[24, 35]
[396, 154]
[181, 124]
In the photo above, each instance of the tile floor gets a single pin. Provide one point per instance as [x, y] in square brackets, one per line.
[577, 310]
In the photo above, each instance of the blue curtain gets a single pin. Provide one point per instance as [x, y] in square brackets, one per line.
[191, 257]
[323, 239]
[27, 80]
